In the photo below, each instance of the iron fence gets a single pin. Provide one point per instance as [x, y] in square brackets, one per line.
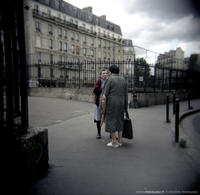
[74, 74]
[141, 77]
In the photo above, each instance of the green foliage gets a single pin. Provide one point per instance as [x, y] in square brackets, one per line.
[142, 68]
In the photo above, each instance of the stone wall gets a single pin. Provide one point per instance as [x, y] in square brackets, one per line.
[148, 99]
[82, 94]
[86, 94]
[33, 150]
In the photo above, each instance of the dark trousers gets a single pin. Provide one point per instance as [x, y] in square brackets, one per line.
[98, 127]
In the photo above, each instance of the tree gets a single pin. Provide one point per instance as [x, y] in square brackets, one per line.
[142, 68]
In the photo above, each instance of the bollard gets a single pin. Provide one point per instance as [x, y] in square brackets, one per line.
[174, 100]
[189, 98]
[177, 121]
[167, 109]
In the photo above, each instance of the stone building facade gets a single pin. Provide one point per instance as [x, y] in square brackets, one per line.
[128, 50]
[173, 59]
[57, 32]
[170, 68]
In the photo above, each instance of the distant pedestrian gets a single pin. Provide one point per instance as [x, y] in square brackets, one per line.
[97, 90]
[116, 95]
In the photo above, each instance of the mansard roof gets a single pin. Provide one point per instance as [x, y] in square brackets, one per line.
[127, 42]
[80, 14]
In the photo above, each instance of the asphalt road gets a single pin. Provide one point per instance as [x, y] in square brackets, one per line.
[79, 164]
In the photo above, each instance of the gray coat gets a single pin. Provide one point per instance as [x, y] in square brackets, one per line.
[116, 93]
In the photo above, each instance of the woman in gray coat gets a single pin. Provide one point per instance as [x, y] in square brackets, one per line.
[116, 94]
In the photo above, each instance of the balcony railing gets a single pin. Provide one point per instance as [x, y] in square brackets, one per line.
[44, 15]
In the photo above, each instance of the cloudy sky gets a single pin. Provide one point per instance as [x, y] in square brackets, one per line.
[157, 25]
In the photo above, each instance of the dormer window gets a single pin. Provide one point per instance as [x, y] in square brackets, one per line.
[57, 4]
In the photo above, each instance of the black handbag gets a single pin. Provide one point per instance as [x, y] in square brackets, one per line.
[128, 129]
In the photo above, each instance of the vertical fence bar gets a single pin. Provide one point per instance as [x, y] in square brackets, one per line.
[170, 80]
[174, 101]
[23, 67]
[79, 74]
[155, 77]
[167, 109]
[95, 74]
[8, 75]
[177, 121]
[2, 119]
[189, 98]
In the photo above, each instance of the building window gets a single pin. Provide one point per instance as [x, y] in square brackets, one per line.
[37, 26]
[92, 42]
[57, 4]
[99, 54]
[104, 54]
[84, 40]
[39, 56]
[84, 51]
[105, 44]
[38, 41]
[99, 30]
[51, 44]
[108, 55]
[65, 34]
[60, 60]
[92, 52]
[51, 73]
[77, 50]
[99, 42]
[36, 7]
[90, 18]
[77, 37]
[65, 46]
[109, 45]
[39, 72]
[91, 28]
[50, 28]
[51, 58]
[60, 45]
[73, 49]
[60, 32]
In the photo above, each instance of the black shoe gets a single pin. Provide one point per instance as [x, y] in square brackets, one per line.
[98, 136]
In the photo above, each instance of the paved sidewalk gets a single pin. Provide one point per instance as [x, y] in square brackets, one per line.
[79, 164]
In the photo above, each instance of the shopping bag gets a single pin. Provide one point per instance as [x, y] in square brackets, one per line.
[128, 129]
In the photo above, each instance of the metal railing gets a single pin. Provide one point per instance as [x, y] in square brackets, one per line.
[140, 77]
[75, 74]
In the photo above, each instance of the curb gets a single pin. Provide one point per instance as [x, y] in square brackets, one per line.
[185, 114]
